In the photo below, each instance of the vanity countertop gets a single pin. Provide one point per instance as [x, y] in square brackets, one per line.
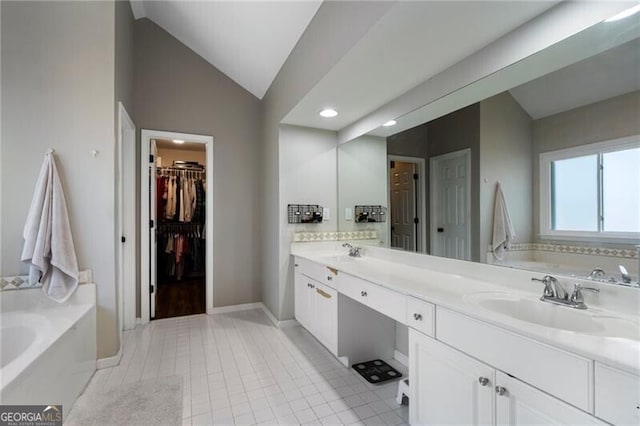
[431, 282]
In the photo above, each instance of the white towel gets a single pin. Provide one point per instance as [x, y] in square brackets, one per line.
[48, 244]
[503, 232]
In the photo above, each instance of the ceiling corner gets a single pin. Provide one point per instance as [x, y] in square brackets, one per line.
[138, 9]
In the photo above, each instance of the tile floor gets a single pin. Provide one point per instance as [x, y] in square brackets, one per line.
[238, 368]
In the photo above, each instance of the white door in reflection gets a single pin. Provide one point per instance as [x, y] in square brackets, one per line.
[403, 205]
[450, 204]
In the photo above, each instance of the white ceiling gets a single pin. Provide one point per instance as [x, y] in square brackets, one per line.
[187, 146]
[247, 40]
[611, 73]
[411, 43]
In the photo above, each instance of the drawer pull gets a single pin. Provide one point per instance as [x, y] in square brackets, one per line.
[417, 317]
[501, 390]
[483, 381]
[311, 285]
[323, 293]
[363, 293]
[332, 270]
[329, 278]
[296, 265]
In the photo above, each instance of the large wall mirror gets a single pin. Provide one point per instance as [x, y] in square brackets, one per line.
[558, 133]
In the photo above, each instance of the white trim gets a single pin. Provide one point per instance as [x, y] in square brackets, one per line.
[544, 166]
[401, 358]
[145, 138]
[433, 180]
[126, 196]
[234, 308]
[422, 197]
[111, 361]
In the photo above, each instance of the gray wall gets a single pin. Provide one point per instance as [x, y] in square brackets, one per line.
[308, 175]
[58, 91]
[452, 132]
[609, 119]
[505, 156]
[176, 90]
[335, 28]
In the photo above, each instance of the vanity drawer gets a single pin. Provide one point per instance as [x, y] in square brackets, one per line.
[317, 271]
[421, 315]
[387, 302]
[617, 396]
[562, 374]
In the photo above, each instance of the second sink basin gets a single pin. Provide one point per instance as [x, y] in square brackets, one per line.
[554, 316]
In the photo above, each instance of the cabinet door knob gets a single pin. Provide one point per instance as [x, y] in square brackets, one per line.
[417, 317]
[309, 285]
[313, 286]
[483, 381]
[295, 264]
[500, 390]
[363, 293]
[329, 278]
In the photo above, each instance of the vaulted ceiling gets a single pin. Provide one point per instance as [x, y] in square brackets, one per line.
[247, 40]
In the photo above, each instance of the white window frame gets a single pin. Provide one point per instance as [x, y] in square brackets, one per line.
[546, 158]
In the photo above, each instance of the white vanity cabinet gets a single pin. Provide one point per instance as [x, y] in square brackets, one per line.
[617, 396]
[316, 309]
[446, 386]
[520, 404]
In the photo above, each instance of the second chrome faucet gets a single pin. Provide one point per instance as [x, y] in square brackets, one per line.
[555, 293]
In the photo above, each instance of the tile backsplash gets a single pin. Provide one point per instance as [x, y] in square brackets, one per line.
[21, 282]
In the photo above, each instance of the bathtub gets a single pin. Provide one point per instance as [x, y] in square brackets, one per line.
[47, 350]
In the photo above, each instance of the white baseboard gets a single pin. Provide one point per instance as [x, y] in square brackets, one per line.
[234, 308]
[401, 358]
[111, 361]
[276, 322]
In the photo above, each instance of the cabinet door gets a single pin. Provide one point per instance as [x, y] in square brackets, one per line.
[302, 306]
[521, 404]
[325, 315]
[447, 386]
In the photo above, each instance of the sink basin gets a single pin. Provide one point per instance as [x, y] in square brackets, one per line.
[534, 311]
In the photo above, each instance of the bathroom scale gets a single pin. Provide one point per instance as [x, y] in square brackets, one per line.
[376, 371]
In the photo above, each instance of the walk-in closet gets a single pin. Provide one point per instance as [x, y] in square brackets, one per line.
[180, 228]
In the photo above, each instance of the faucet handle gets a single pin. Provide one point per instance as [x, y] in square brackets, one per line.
[626, 278]
[576, 296]
[548, 286]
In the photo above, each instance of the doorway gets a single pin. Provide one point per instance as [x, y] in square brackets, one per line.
[177, 249]
[407, 202]
[450, 205]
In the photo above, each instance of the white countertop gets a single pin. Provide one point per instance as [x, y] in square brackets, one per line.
[431, 283]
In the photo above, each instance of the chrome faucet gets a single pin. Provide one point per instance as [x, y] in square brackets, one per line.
[353, 251]
[626, 278]
[596, 273]
[555, 293]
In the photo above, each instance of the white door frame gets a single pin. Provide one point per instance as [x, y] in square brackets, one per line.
[434, 180]
[126, 220]
[422, 205]
[145, 139]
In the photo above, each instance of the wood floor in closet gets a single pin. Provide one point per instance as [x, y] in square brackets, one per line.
[179, 298]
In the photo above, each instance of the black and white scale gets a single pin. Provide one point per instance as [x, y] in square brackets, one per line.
[376, 371]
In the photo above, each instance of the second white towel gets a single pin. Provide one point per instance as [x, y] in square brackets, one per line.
[503, 232]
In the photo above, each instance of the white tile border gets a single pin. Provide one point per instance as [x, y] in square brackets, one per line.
[21, 282]
[303, 237]
[574, 249]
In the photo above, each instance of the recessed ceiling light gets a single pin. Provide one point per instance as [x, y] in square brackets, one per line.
[178, 141]
[390, 123]
[328, 113]
[624, 14]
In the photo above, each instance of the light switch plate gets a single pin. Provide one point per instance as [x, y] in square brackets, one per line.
[348, 213]
[326, 214]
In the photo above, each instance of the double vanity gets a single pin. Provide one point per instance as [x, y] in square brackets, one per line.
[483, 348]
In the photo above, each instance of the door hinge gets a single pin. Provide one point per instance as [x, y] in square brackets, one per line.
[151, 288]
[123, 239]
[151, 160]
[416, 220]
[415, 176]
[151, 223]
